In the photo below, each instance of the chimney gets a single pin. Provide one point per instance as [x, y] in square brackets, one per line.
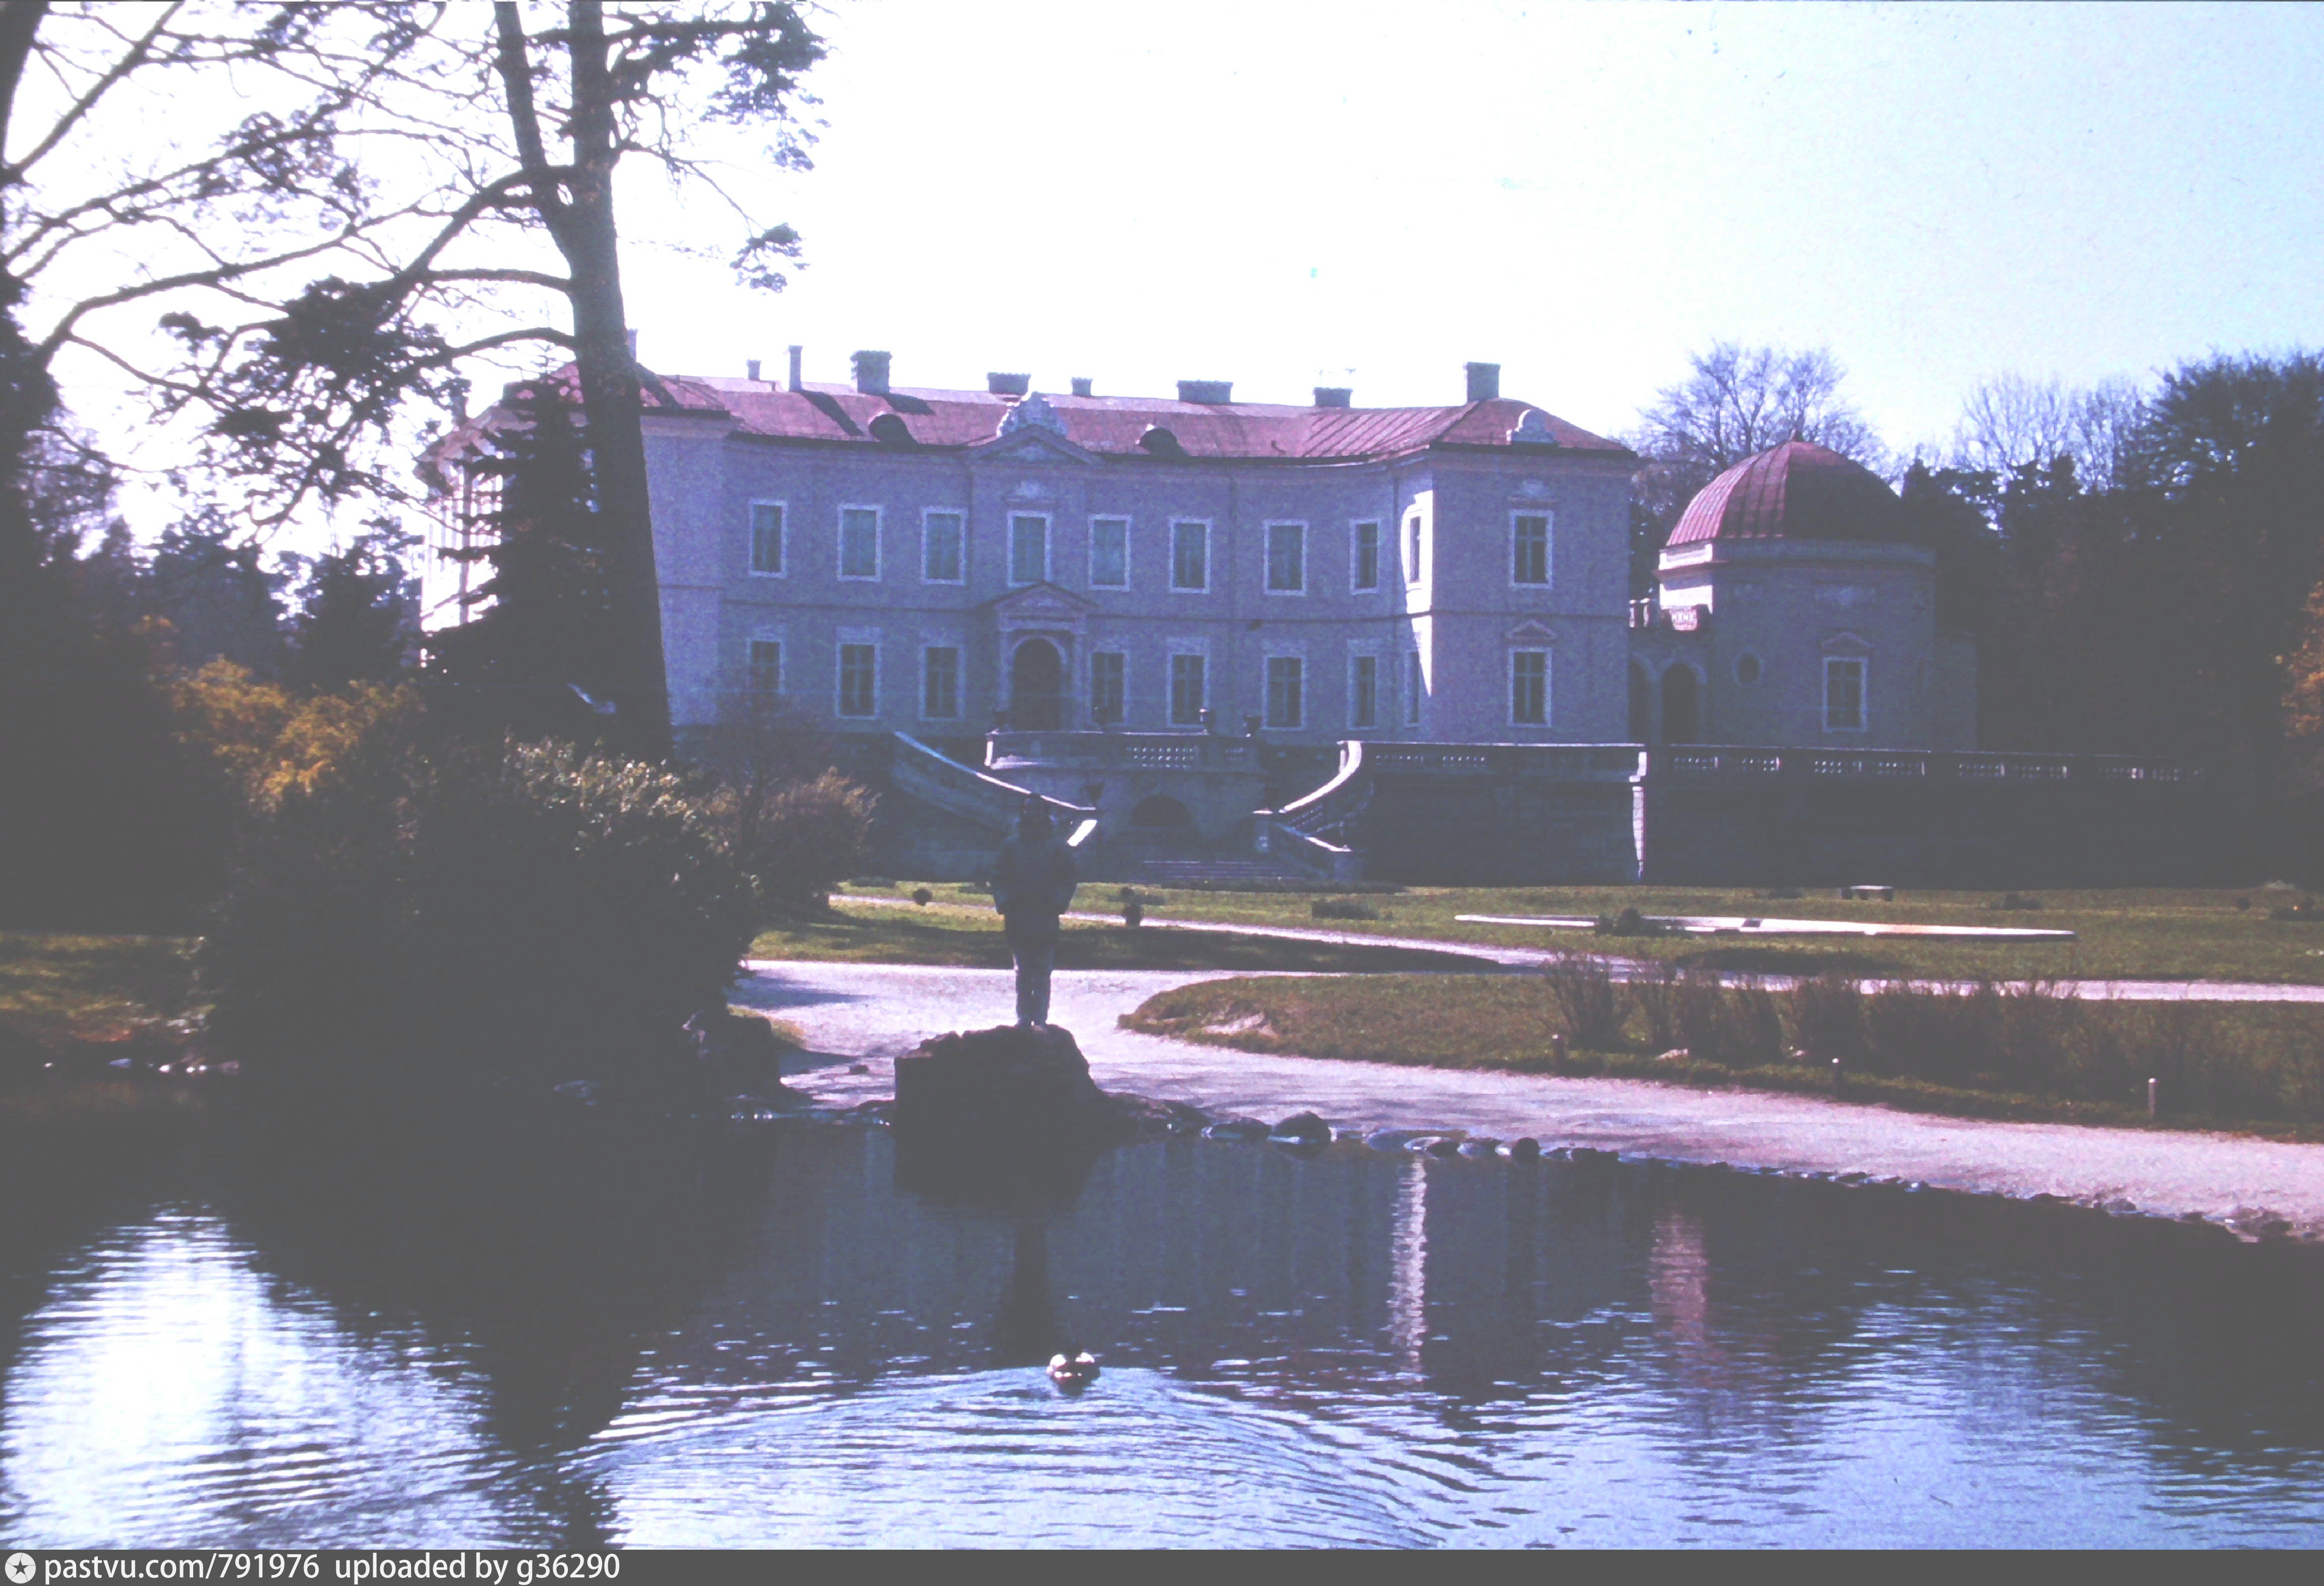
[872, 374]
[751, 369]
[1006, 384]
[795, 352]
[1484, 382]
[1334, 396]
[1217, 392]
[1082, 383]
[633, 345]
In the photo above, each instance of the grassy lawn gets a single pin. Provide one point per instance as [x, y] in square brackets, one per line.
[971, 938]
[2126, 933]
[2263, 1056]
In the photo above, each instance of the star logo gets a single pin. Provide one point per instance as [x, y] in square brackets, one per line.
[19, 1568]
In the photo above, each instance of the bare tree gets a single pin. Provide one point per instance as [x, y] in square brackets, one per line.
[525, 155]
[2010, 421]
[1736, 401]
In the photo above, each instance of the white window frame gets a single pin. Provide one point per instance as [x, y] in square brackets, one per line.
[1415, 561]
[1123, 719]
[959, 677]
[1204, 525]
[1266, 553]
[1267, 691]
[879, 532]
[1356, 659]
[1355, 553]
[782, 539]
[1048, 547]
[1170, 685]
[1123, 518]
[1863, 665]
[1548, 695]
[751, 669]
[840, 647]
[1548, 578]
[960, 515]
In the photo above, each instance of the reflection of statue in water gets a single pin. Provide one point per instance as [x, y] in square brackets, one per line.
[1032, 884]
[1025, 1330]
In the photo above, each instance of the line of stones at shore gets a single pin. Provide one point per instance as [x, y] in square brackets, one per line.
[1304, 1134]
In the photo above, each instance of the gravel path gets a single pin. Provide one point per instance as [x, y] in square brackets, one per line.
[866, 1015]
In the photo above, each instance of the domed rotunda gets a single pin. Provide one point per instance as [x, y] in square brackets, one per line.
[1792, 608]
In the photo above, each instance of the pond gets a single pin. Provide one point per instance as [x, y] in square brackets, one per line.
[766, 1341]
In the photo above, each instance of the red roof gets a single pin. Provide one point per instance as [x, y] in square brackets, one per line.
[1796, 490]
[842, 415]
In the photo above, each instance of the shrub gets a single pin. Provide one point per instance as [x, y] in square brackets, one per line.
[1587, 1003]
[518, 913]
[797, 840]
[922, 897]
[2014, 900]
[1653, 992]
[1133, 910]
[1827, 1016]
[1342, 908]
[1631, 923]
[1735, 1027]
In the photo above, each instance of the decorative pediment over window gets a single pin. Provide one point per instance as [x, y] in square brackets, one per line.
[1531, 633]
[1532, 490]
[1039, 602]
[1025, 445]
[1846, 644]
[1533, 429]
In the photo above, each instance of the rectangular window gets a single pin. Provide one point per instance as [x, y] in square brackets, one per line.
[1286, 558]
[1109, 553]
[1109, 693]
[767, 537]
[1843, 695]
[1412, 687]
[1529, 547]
[1029, 548]
[940, 682]
[1412, 549]
[859, 677]
[1283, 690]
[765, 671]
[1187, 690]
[1363, 691]
[859, 542]
[1190, 556]
[1365, 558]
[943, 537]
[1529, 687]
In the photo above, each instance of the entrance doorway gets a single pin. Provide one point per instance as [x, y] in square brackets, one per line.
[1036, 688]
[1682, 718]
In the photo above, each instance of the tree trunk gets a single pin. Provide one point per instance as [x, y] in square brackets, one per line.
[609, 391]
[581, 224]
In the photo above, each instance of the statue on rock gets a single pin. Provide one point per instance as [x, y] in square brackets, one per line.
[1032, 884]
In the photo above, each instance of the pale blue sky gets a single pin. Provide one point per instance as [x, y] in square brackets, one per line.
[1282, 193]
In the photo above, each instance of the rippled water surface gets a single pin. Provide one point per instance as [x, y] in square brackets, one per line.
[769, 1341]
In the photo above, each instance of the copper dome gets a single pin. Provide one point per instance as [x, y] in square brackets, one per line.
[1796, 490]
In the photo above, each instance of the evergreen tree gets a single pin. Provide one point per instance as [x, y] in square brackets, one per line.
[355, 619]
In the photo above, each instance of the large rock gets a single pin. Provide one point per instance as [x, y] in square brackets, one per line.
[1013, 1081]
[1009, 1120]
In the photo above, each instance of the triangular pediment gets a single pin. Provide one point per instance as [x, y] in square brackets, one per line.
[1532, 632]
[1031, 446]
[1040, 600]
[1846, 644]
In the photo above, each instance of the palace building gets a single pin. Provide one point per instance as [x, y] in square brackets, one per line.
[1316, 636]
